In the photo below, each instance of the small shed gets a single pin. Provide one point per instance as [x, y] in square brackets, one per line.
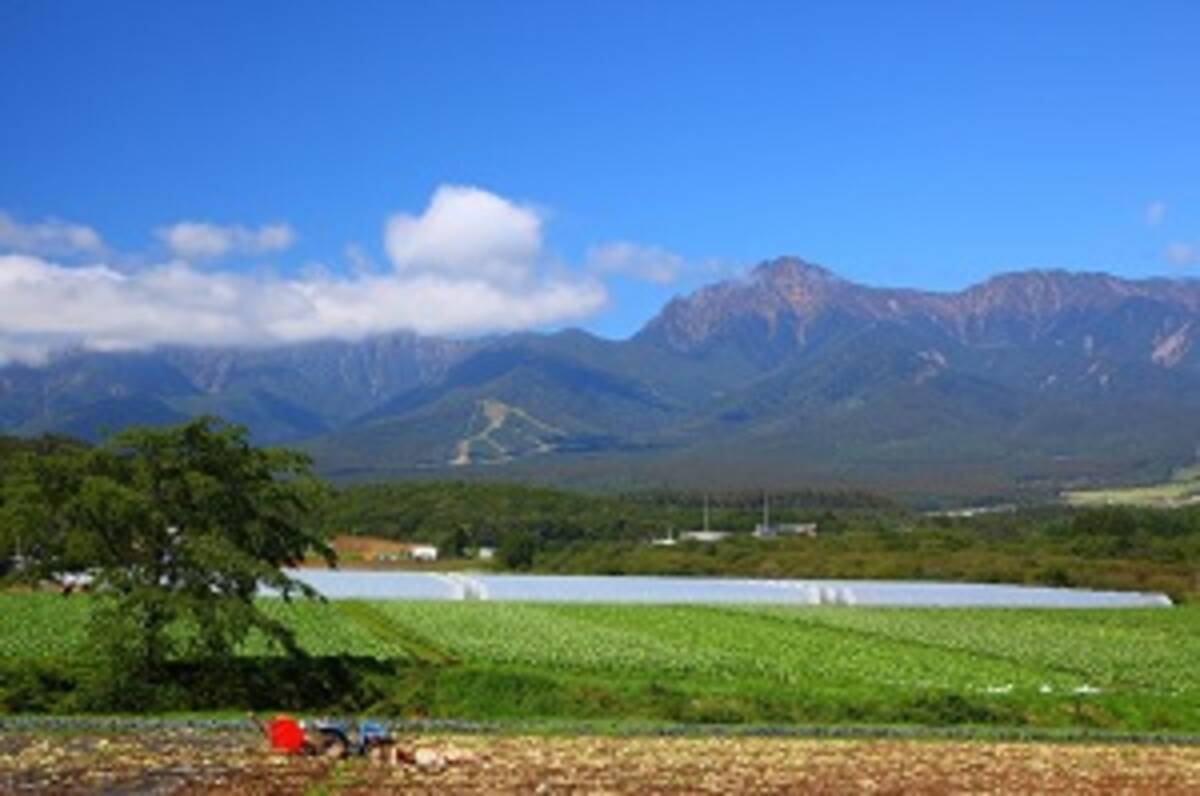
[423, 552]
[703, 536]
[763, 531]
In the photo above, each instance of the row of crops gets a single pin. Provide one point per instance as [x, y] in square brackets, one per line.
[691, 640]
[1146, 650]
[1150, 651]
[978, 649]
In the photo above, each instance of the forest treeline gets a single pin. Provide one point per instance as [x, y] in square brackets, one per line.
[472, 514]
[860, 535]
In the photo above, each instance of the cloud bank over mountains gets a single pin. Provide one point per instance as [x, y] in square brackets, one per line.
[471, 262]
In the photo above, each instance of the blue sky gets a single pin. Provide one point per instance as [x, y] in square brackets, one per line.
[651, 146]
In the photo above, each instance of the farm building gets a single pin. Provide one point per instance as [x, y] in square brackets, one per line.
[704, 536]
[423, 552]
[764, 531]
[665, 541]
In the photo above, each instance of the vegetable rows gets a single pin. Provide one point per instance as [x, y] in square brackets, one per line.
[812, 648]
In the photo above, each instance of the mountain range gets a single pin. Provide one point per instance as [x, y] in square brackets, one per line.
[1028, 382]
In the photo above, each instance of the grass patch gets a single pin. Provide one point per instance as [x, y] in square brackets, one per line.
[1182, 489]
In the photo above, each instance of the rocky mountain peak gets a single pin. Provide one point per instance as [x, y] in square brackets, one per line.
[792, 270]
[1039, 293]
[790, 293]
[777, 294]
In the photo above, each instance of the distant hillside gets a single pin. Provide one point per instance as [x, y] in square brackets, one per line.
[1028, 382]
[283, 394]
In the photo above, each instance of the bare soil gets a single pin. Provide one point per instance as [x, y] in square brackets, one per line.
[194, 762]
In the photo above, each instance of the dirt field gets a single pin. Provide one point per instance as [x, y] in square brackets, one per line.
[191, 762]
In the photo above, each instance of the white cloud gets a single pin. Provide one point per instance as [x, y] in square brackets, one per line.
[1156, 211]
[429, 304]
[471, 263]
[198, 240]
[467, 231]
[51, 237]
[650, 263]
[1183, 254]
[46, 306]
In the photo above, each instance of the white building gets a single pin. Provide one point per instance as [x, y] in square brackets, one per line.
[665, 541]
[703, 536]
[764, 531]
[423, 552]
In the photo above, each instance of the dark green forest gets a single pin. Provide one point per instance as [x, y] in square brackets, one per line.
[486, 513]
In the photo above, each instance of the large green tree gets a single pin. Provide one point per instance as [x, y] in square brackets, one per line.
[176, 530]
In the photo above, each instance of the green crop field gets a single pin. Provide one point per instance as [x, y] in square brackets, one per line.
[1182, 489]
[1116, 669]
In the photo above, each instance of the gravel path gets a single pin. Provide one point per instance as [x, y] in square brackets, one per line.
[189, 761]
